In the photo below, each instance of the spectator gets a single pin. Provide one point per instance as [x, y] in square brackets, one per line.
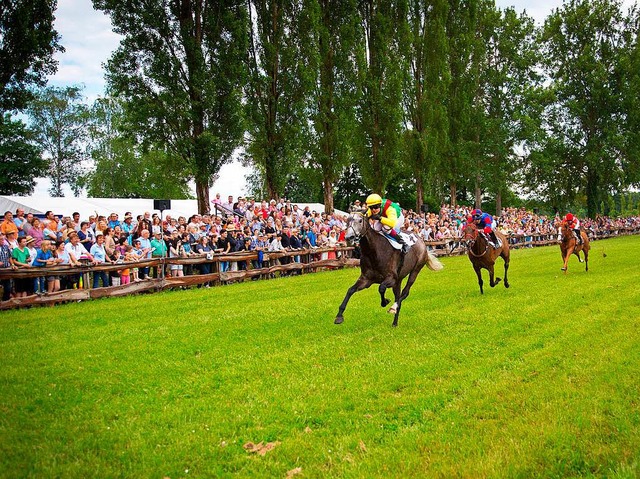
[20, 221]
[44, 258]
[20, 259]
[145, 250]
[5, 262]
[224, 245]
[100, 257]
[113, 221]
[204, 249]
[87, 235]
[8, 225]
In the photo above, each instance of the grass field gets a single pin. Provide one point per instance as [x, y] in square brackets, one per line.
[539, 380]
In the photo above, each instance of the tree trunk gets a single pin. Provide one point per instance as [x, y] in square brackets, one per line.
[202, 193]
[453, 192]
[592, 193]
[478, 193]
[419, 193]
[328, 196]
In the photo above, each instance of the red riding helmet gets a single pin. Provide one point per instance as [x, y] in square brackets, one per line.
[569, 217]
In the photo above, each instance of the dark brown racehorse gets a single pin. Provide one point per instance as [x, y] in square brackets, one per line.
[382, 264]
[569, 245]
[483, 255]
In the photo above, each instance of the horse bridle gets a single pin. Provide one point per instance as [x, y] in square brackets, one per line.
[471, 243]
[356, 236]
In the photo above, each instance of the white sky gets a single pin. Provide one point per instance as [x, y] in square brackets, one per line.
[89, 41]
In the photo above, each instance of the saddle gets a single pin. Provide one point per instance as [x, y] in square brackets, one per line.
[410, 239]
[577, 236]
[494, 244]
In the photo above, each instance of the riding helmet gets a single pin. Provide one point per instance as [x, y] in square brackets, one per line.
[373, 199]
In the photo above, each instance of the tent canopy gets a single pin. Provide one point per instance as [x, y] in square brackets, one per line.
[39, 205]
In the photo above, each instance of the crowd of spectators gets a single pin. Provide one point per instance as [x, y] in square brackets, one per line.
[241, 224]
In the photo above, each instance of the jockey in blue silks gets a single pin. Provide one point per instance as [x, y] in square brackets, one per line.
[485, 223]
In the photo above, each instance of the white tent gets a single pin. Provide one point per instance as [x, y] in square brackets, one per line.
[64, 206]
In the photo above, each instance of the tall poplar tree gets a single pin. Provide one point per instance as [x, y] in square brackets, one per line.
[278, 90]
[458, 162]
[179, 69]
[335, 25]
[425, 89]
[509, 85]
[583, 43]
[379, 112]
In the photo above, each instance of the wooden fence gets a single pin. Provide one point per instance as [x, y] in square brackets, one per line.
[309, 261]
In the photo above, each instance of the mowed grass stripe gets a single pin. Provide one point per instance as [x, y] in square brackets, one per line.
[536, 380]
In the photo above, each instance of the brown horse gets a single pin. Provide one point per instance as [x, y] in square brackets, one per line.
[483, 255]
[382, 264]
[569, 245]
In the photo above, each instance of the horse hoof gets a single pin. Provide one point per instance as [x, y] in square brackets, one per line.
[392, 311]
[338, 320]
[506, 285]
[385, 302]
[563, 269]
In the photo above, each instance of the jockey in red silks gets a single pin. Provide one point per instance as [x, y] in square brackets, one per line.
[390, 216]
[574, 223]
[485, 223]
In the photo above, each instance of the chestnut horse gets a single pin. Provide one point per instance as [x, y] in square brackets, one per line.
[483, 255]
[382, 264]
[569, 245]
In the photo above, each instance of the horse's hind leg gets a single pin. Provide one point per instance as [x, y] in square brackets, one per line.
[397, 297]
[586, 259]
[493, 281]
[359, 285]
[506, 258]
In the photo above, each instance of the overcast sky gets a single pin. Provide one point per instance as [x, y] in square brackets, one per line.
[89, 41]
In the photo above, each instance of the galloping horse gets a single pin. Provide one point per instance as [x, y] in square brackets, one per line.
[569, 246]
[483, 255]
[382, 264]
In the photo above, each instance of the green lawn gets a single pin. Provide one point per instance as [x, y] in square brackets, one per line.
[539, 380]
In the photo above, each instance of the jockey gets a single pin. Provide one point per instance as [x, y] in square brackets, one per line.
[574, 223]
[485, 223]
[390, 216]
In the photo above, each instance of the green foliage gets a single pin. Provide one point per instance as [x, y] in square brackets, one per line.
[334, 27]
[58, 119]
[350, 187]
[20, 160]
[582, 51]
[124, 168]
[27, 45]
[425, 88]
[379, 112]
[530, 381]
[179, 72]
[280, 80]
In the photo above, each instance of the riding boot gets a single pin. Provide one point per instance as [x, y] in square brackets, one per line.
[493, 238]
[398, 237]
[578, 236]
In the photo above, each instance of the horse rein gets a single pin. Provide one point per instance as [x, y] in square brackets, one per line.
[472, 243]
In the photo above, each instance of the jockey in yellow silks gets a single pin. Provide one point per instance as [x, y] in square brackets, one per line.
[390, 216]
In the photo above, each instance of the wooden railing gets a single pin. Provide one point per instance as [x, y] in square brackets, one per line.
[309, 262]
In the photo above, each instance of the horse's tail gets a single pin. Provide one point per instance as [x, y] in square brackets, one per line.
[433, 263]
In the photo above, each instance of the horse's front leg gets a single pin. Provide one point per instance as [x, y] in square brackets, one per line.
[566, 258]
[478, 271]
[359, 285]
[382, 289]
